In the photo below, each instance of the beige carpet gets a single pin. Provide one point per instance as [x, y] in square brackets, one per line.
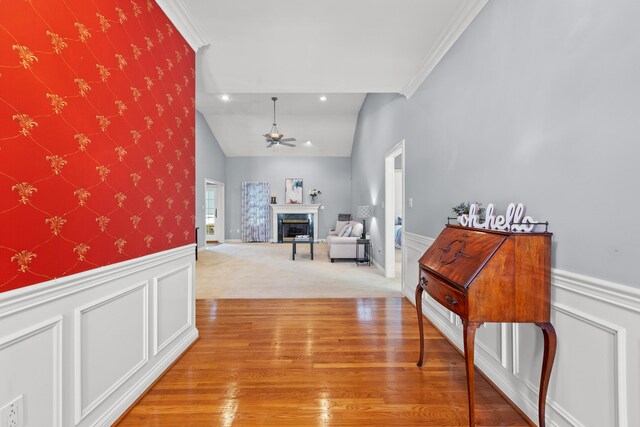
[265, 270]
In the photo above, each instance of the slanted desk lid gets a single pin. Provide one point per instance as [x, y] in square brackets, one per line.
[458, 254]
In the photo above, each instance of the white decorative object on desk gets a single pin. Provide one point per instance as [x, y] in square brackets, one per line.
[514, 220]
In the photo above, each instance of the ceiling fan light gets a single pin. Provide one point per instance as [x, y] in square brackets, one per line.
[274, 137]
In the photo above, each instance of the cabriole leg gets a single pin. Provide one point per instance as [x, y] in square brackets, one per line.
[469, 332]
[419, 291]
[550, 345]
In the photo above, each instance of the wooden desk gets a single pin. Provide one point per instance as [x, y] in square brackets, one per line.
[491, 276]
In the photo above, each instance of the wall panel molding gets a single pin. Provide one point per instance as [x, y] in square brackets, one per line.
[612, 293]
[618, 369]
[417, 241]
[500, 354]
[157, 345]
[117, 409]
[108, 299]
[83, 409]
[443, 312]
[55, 325]
[47, 292]
[596, 305]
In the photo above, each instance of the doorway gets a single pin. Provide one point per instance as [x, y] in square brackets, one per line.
[213, 212]
[394, 218]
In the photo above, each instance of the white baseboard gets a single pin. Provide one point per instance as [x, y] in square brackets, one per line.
[233, 240]
[62, 336]
[598, 347]
[376, 265]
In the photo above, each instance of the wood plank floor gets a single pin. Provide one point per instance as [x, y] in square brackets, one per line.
[316, 362]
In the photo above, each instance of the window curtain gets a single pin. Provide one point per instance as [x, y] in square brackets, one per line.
[255, 212]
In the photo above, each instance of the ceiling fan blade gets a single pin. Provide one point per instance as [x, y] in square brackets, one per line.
[271, 144]
[287, 144]
[287, 140]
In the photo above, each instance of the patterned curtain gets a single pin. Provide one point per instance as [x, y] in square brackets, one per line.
[255, 212]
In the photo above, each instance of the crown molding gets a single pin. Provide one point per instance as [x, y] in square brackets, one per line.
[185, 23]
[460, 21]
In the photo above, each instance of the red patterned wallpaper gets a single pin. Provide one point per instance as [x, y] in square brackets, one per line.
[96, 136]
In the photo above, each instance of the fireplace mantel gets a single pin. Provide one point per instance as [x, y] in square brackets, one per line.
[292, 209]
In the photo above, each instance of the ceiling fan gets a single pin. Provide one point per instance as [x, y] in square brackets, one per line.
[274, 137]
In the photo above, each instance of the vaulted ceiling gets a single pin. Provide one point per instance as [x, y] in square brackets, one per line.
[300, 50]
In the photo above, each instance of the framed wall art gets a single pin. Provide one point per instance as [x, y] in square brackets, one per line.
[293, 190]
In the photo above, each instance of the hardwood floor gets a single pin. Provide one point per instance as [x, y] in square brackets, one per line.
[316, 362]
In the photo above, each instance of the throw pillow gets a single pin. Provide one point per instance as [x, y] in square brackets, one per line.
[356, 230]
[340, 225]
[345, 232]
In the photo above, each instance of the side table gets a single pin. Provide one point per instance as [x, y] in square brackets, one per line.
[366, 259]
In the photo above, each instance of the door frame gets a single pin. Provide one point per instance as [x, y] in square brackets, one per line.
[389, 208]
[219, 205]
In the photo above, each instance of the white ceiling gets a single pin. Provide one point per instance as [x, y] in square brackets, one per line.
[240, 123]
[300, 49]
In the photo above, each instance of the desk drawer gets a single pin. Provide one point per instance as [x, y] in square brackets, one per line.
[449, 297]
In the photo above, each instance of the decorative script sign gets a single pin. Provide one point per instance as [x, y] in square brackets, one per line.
[514, 220]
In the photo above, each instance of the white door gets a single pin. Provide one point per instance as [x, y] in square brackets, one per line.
[391, 187]
[211, 213]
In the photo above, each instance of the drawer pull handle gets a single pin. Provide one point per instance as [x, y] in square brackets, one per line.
[451, 300]
[423, 281]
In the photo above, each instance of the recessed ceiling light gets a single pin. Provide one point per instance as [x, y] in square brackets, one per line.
[308, 142]
[225, 97]
[323, 98]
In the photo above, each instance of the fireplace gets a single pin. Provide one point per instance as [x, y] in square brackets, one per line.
[292, 225]
[296, 212]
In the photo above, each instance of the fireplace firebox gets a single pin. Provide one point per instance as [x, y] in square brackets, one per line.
[292, 225]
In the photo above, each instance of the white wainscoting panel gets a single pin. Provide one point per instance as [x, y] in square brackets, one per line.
[80, 349]
[492, 339]
[596, 372]
[172, 310]
[40, 346]
[108, 353]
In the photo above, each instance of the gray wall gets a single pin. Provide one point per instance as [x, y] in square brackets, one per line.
[537, 102]
[210, 164]
[331, 175]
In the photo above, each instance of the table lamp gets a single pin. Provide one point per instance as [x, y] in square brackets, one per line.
[364, 213]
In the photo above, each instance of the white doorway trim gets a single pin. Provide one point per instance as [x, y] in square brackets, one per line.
[389, 208]
[220, 206]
